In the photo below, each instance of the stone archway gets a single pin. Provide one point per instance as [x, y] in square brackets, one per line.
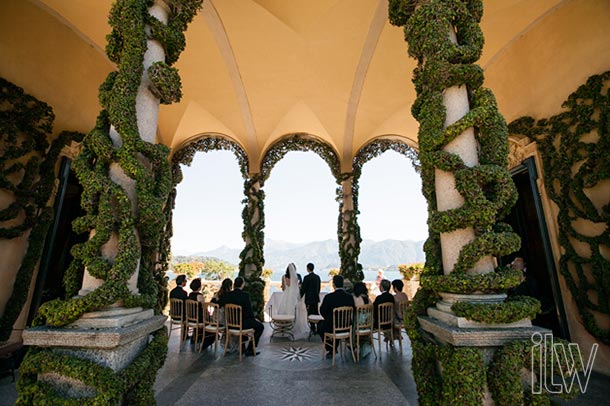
[351, 245]
[184, 156]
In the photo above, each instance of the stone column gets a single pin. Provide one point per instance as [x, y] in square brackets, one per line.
[253, 227]
[455, 100]
[349, 240]
[147, 111]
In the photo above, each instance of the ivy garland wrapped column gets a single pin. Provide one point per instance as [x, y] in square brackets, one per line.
[127, 219]
[445, 38]
[252, 257]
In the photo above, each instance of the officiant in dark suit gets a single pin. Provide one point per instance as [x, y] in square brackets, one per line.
[310, 288]
[238, 297]
[331, 301]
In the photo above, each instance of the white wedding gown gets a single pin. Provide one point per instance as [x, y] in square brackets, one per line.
[292, 301]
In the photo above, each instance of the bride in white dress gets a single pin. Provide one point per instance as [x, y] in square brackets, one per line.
[292, 301]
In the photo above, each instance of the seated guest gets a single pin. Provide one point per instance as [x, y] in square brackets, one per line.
[178, 292]
[239, 297]
[197, 295]
[225, 287]
[361, 294]
[384, 297]
[338, 298]
[399, 296]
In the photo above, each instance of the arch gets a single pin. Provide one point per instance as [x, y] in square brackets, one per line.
[378, 146]
[300, 142]
[210, 142]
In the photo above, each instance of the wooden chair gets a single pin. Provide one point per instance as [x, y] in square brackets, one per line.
[177, 318]
[193, 320]
[313, 319]
[385, 327]
[399, 322]
[364, 326]
[281, 324]
[211, 323]
[233, 315]
[343, 318]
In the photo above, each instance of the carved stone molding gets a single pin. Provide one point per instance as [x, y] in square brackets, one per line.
[518, 151]
[71, 150]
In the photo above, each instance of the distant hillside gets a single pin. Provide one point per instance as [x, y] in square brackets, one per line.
[374, 254]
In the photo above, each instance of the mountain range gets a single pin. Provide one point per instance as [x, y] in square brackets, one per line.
[387, 254]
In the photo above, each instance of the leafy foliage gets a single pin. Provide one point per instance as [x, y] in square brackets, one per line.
[574, 147]
[109, 212]
[135, 382]
[210, 268]
[27, 172]
[515, 308]
[410, 270]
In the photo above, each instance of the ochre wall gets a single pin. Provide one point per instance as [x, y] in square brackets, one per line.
[52, 63]
[540, 69]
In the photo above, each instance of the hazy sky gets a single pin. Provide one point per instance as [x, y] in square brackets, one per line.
[300, 201]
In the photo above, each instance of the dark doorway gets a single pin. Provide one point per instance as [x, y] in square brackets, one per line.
[527, 219]
[60, 239]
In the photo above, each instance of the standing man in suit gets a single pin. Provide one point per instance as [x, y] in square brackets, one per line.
[239, 297]
[331, 301]
[384, 297]
[310, 288]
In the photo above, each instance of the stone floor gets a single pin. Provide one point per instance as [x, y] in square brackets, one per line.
[292, 373]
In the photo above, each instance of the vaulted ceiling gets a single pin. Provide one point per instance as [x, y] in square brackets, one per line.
[256, 70]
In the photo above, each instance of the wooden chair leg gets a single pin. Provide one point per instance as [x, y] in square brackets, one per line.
[227, 335]
[253, 345]
[334, 343]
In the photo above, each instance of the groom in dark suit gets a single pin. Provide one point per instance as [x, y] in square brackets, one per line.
[331, 301]
[239, 297]
[310, 288]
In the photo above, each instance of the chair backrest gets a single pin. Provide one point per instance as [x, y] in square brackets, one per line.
[211, 314]
[364, 317]
[343, 317]
[401, 309]
[192, 311]
[176, 309]
[385, 315]
[233, 316]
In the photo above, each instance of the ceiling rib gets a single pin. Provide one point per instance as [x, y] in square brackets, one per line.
[221, 38]
[368, 50]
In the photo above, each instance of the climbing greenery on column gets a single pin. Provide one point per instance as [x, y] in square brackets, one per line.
[487, 188]
[27, 171]
[574, 148]
[252, 257]
[106, 203]
[350, 251]
[109, 211]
